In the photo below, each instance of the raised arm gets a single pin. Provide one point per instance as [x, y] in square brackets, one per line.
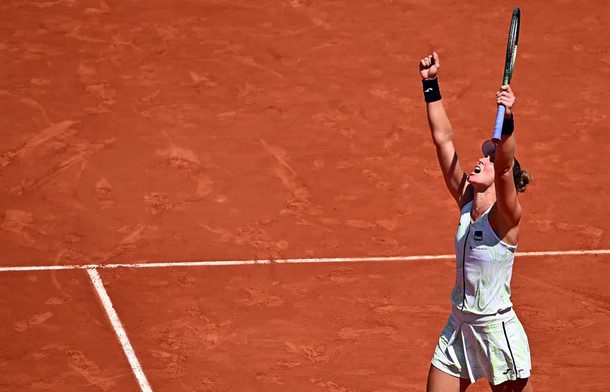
[440, 127]
[506, 192]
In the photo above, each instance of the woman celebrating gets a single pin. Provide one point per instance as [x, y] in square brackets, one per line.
[483, 337]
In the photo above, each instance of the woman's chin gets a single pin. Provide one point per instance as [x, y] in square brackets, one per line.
[476, 181]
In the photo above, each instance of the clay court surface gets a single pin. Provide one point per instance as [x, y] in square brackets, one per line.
[137, 132]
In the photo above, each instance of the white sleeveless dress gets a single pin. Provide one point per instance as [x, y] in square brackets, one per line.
[483, 337]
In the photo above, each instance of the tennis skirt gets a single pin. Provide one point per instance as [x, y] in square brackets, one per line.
[493, 347]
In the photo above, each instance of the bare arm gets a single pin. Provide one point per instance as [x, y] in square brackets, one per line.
[506, 193]
[442, 135]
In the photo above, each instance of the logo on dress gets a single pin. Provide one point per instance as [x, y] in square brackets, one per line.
[478, 235]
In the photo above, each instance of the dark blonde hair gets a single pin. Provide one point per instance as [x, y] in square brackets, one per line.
[521, 177]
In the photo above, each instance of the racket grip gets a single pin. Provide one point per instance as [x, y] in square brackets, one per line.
[497, 135]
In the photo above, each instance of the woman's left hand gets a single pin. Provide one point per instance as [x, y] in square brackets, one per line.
[506, 97]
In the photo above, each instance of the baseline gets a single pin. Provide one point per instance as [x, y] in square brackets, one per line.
[213, 263]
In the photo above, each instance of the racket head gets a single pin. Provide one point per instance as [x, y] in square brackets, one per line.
[511, 46]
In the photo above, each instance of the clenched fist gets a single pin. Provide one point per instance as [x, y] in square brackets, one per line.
[506, 97]
[428, 66]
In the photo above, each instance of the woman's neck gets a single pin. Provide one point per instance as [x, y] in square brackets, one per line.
[481, 202]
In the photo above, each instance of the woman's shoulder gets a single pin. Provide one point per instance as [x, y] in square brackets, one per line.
[467, 197]
[466, 207]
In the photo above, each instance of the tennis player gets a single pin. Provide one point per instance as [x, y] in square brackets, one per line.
[483, 337]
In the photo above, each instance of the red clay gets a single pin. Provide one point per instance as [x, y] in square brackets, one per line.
[357, 327]
[163, 131]
[55, 336]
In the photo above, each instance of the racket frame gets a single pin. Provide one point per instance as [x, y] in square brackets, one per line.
[509, 67]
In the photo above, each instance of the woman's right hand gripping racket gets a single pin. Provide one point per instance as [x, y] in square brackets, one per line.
[509, 66]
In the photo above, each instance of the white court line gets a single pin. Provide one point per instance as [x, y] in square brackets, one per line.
[217, 263]
[96, 279]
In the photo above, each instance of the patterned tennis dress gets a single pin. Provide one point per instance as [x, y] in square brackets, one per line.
[483, 337]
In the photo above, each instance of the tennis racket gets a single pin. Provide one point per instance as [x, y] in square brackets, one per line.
[509, 67]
